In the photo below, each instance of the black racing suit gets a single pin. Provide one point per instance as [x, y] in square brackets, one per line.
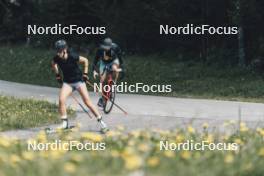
[69, 67]
[118, 52]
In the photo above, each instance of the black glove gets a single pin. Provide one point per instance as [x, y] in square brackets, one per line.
[85, 77]
[58, 78]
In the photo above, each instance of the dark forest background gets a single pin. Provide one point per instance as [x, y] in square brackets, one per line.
[134, 24]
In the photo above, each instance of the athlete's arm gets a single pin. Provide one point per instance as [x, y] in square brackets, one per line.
[85, 63]
[55, 68]
[118, 52]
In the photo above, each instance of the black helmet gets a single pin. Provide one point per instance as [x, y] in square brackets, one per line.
[60, 45]
[107, 43]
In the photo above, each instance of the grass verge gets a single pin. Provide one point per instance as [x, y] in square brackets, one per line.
[24, 113]
[188, 78]
[136, 153]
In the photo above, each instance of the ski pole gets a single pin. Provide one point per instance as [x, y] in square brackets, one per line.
[83, 108]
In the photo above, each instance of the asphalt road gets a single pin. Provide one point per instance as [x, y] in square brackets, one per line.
[144, 111]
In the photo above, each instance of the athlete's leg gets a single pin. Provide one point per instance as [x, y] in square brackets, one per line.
[102, 82]
[102, 78]
[102, 72]
[102, 75]
[65, 91]
[115, 68]
[86, 99]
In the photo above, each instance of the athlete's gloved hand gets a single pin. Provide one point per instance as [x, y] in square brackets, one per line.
[58, 78]
[85, 77]
[95, 74]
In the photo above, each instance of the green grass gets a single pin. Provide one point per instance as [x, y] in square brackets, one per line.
[136, 152]
[24, 113]
[188, 78]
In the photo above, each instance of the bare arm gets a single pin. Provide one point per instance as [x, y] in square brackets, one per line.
[55, 68]
[84, 61]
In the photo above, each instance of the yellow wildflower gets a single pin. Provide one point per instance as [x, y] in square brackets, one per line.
[69, 138]
[135, 133]
[115, 153]
[14, 159]
[230, 122]
[190, 129]
[169, 153]
[131, 143]
[4, 142]
[146, 135]
[165, 132]
[205, 125]
[243, 127]
[229, 158]
[226, 137]
[69, 167]
[28, 155]
[31, 141]
[133, 162]
[44, 154]
[153, 161]
[179, 138]
[143, 147]
[209, 138]
[186, 154]
[77, 158]
[92, 136]
[261, 152]
[128, 151]
[78, 125]
[260, 131]
[112, 133]
[42, 137]
[238, 141]
[55, 154]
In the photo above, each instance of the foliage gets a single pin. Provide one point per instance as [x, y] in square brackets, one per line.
[135, 24]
